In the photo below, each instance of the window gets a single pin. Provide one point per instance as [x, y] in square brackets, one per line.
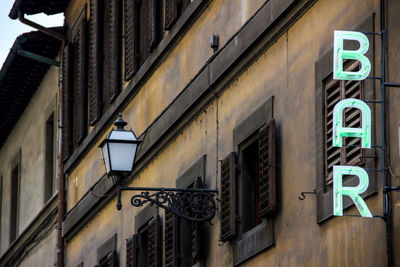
[248, 185]
[49, 165]
[104, 56]
[328, 93]
[180, 249]
[143, 249]
[107, 254]
[143, 28]
[143, 31]
[74, 87]
[15, 197]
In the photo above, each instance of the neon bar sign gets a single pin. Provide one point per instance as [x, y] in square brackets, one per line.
[339, 55]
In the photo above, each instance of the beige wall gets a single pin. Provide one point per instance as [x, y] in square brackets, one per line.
[287, 72]
[28, 135]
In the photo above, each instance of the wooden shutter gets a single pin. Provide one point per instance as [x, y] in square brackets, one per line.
[145, 30]
[132, 251]
[131, 44]
[196, 230]
[228, 197]
[80, 83]
[112, 83]
[112, 260]
[267, 177]
[171, 239]
[335, 91]
[66, 104]
[154, 243]
[171, 13]
[154, 36]
[332, 154]
[94, 84]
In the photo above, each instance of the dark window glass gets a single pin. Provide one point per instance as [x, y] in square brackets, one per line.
[49, 159]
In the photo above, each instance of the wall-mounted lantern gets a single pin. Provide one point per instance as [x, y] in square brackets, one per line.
[119, 152]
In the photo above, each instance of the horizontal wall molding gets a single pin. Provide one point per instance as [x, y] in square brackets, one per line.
[263, 29]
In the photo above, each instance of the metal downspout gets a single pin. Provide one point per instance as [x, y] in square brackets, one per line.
[60, 176]
[386, 181]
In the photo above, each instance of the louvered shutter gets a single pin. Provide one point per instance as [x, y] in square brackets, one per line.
[171, 13]
[196, 230]
[332, 154]
[154, 243]
[351, 153]
[94, 84]
[228, 197]
[154, 23]
[131, 44]
[66, 104]
[267, 178]
[145, 30]
[112, 83]
[80, 83]
[132, 251]
[112, 260]
[171, 239]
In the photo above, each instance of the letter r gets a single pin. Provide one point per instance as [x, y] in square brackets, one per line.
[353, 192]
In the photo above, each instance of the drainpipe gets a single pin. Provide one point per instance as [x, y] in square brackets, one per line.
[60, 205]
[387, 181]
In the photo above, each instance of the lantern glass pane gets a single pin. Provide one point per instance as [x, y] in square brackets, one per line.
[106, 158]
[122, 156]
[122, 135]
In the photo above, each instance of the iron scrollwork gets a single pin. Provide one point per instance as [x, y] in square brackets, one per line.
[192, 204]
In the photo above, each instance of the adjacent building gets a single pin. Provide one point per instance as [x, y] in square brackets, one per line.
[236, 96]
[29, 151]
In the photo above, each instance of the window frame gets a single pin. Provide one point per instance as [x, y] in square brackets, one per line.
[15, 207]
[250, 243]
[109, 246]
[323, 69]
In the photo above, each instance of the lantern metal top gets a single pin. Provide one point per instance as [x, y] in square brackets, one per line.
[120, 123]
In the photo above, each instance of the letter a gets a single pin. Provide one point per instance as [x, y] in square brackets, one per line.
[339, 55]
[339, 131]
[353, 192]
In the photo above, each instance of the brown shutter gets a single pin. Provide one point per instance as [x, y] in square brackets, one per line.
[112, 260]
[113, 53]
[353, 153]
[335, 91]
[66, 104]
[145, 30]
[80, 80]
[171, 13]
[154, 243]
[132, 251]
[94, 64]
[171, 239]
[196, 230]
[131, 56]
[228, 197]
[154, 23]
[267, 178]
[332, 154]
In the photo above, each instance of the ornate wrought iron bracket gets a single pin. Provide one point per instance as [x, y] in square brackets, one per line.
[193, 204]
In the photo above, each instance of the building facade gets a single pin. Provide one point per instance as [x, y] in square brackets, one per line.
[236, 96]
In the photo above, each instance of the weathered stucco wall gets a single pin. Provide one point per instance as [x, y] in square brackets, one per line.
[28, 136]
[287, 72]
[167, 82]
[43, 254]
